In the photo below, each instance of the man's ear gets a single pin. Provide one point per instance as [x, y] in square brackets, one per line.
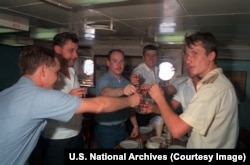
[108, 63]
[211, 56]
[57, 49]
[43, 70]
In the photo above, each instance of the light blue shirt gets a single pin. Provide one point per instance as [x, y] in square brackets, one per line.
[56, 129]
[24, 110]
[117, 117]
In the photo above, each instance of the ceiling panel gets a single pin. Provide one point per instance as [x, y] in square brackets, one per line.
[204, 7]
[135, 19]
[126, 12]
[228, 20]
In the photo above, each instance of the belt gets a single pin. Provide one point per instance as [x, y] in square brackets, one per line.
[112, 124]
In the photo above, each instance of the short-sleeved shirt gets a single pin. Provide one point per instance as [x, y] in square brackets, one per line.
[149, 75]
[112, 118]
[24, 110]
[179, 80]
[56, 129]
[185, 92]
[213, 113]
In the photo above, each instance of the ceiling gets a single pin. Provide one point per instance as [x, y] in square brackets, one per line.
[163, 22]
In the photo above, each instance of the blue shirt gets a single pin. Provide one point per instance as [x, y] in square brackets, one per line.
[56, 129]
[24, 110]
[108, 80]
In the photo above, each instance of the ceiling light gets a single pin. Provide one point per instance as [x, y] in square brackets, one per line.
[167, 30]
[89, 33]
[45, 34]
[170, 38]
[167, 27]
[7, 30]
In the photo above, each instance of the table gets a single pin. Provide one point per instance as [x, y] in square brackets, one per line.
[147, 136]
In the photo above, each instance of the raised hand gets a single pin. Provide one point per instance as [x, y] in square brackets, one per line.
[79, 92]
[135, 80]
[129, 90]
[155, 91]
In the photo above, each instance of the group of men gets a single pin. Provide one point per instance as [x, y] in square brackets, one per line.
[47, 101]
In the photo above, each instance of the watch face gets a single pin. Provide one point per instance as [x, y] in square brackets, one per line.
[166, 71]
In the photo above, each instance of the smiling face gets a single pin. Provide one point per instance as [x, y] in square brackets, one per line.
[150, 58]
[68, 52]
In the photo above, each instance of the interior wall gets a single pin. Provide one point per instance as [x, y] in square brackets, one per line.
[239, 65]
[9, 70]
[173, 55]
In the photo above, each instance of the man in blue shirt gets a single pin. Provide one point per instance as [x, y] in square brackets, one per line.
[114, 84]
[27, 105]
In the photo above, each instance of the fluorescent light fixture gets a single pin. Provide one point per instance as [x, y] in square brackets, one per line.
[44, 34]
[170, 38]
[167, 30]
[167, 27]
[8, 30]
[89, 33]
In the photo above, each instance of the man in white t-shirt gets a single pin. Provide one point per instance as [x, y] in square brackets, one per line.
[58, 135]
[148, 71]
[185, 91]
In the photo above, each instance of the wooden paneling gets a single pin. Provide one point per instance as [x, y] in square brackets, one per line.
[238, 79]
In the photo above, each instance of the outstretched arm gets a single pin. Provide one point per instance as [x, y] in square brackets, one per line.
[102, 104]
[174, 123]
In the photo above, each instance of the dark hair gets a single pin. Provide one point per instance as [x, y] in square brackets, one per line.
[207, 40]
[149, 47]
[61, 38]
[115, 50]
[34, 56]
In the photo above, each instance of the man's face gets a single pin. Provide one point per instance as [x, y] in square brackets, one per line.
[196, 60]
[150, 58]
[116, 63]
[69, 52]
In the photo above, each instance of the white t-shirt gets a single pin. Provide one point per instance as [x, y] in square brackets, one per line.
[185, 92]
[149, 75]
